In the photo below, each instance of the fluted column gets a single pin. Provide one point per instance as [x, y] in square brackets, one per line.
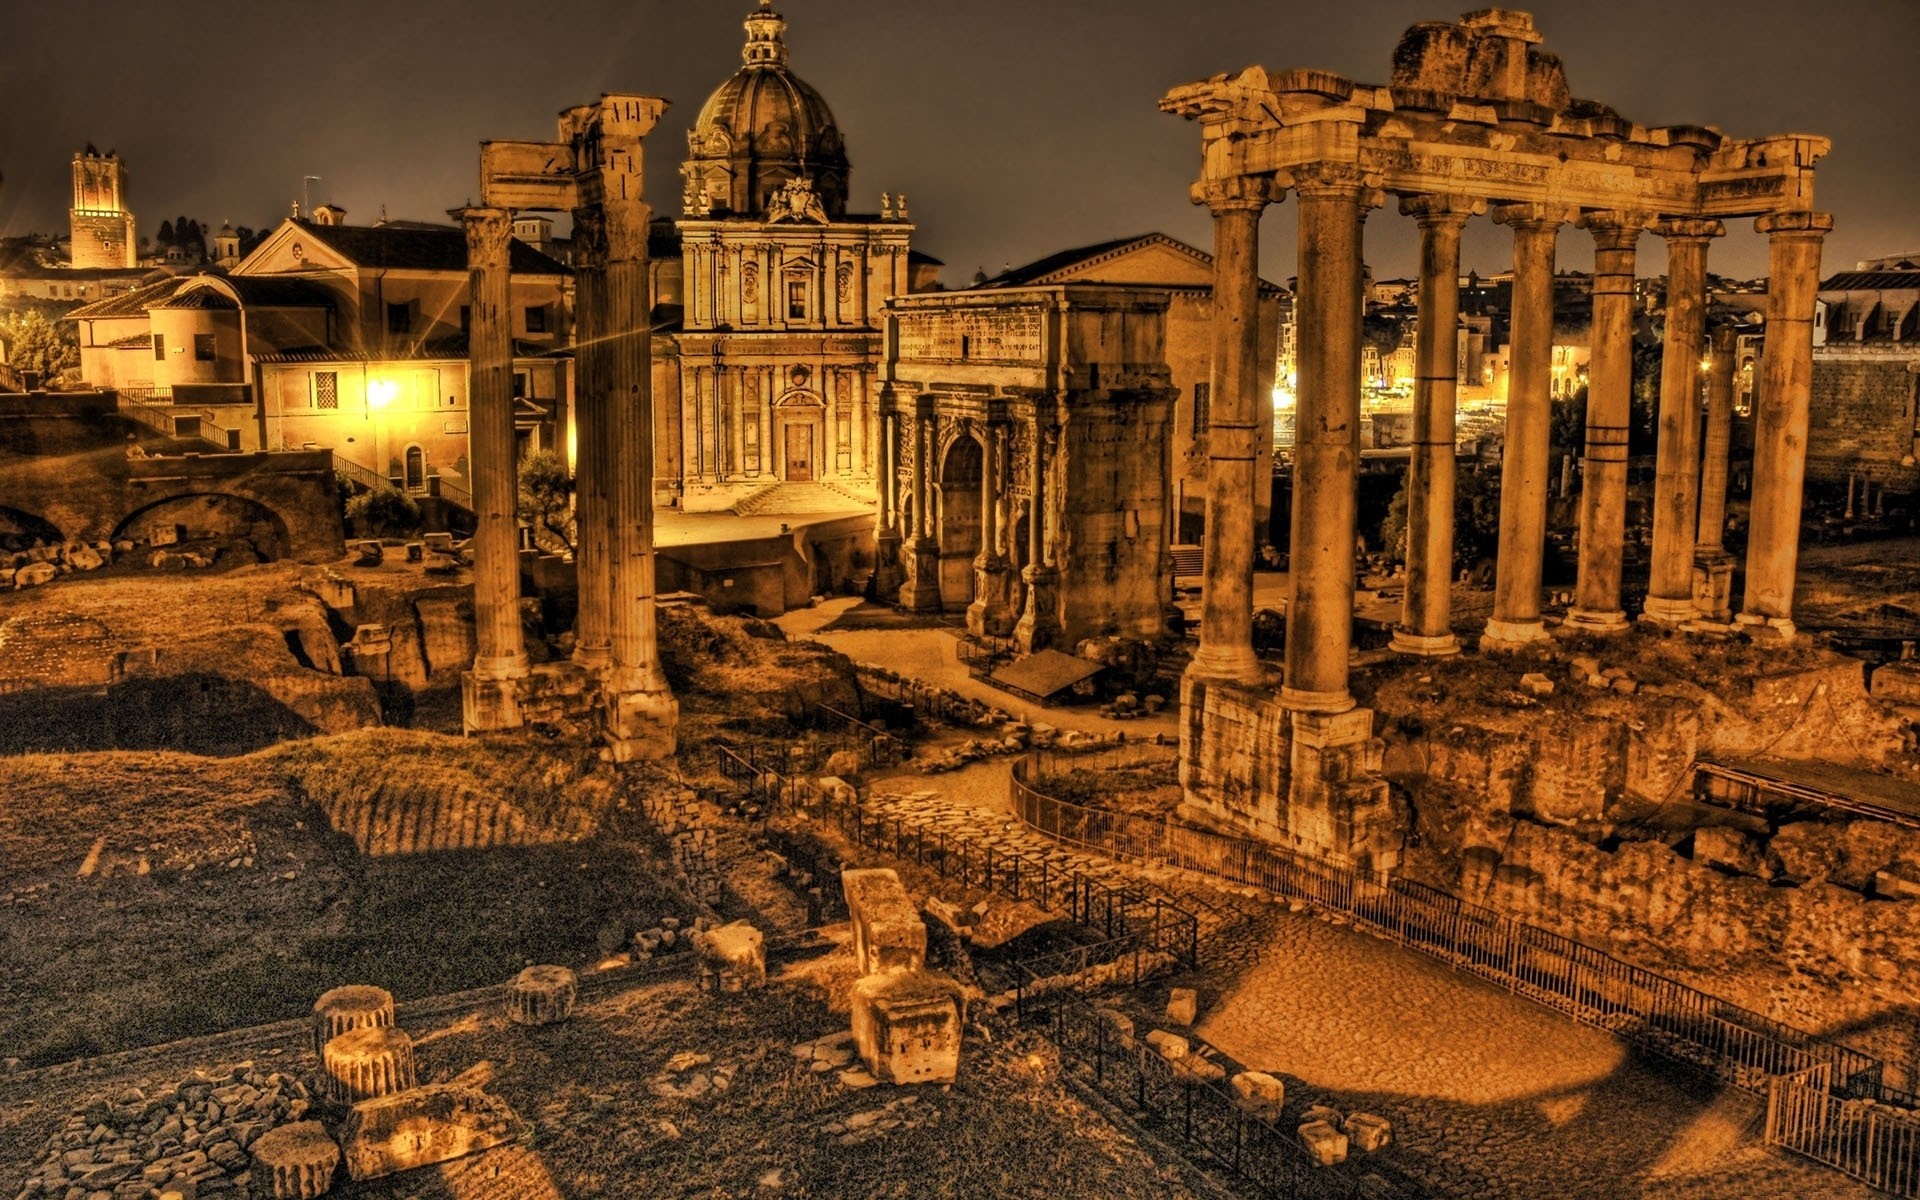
[989, 489]
[592, 501]
[1427, 610]
[1523, 466]
[1036, 627]
[1719, 441]
[1676, 488]
[1226, 601]
[886, 543]
[990, 613]
[641, 712]
[1326, 448]
[921, 590]
[1780, 421]
[489, 699]
[1603, 489]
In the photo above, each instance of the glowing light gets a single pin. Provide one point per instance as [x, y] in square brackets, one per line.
[380, 392]
[1706, 364]
[1282, 400]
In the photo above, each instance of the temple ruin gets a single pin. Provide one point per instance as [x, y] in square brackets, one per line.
[1477, 118]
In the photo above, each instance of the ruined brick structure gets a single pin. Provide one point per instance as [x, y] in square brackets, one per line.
[102, 228]
[1477, 118]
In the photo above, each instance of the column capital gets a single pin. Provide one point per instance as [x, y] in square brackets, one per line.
[488, 228]
[589, 237]
[1787, 224]
[1237, 193]
[1433, 209]
[1698, 229]
[1532, 217]
[1334, 179]
[1613, 229]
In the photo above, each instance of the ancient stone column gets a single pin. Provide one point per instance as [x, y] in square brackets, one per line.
[365, 1063]
[886, 543]
[1780, 419]
[1426, 613]
[1326, 448]
[1719, 440]
[1603, 489]
[988, 615]
[542, 995]
[1677, 467]
[921, 590]
[489, 692]
[593, 623]
[1523, 466]
[294, 1162]
[1712, 565]
[1226, 601]
[641, 711]
[1038, 626]
[344, 1009]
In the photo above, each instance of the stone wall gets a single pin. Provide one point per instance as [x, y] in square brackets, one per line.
[1862, 415]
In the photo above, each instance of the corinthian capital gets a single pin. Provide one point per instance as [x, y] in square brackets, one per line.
[1433, 209]
[1692, 228]
[1806, 224]
[1236, 193]
[1532, 216]
[1335, 179]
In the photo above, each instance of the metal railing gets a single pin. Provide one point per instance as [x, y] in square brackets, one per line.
[1735, 1044]
[1874, 1144]
[877, 747]
[371, 480]
[924, 699]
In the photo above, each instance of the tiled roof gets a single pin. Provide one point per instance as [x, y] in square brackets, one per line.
[437, 350]
[127, 304]
[420, 249]
[1872, 281]
[1041, 270]
[199, 297]
[267, 291]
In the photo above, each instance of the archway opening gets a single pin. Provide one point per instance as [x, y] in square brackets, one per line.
[20, 530]
[959, 521]
[227, 529]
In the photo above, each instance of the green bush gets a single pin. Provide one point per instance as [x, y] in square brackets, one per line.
[384, 512]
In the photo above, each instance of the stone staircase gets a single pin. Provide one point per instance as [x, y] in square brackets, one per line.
[783, 499]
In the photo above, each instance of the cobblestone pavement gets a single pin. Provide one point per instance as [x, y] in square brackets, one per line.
[1490, 1094]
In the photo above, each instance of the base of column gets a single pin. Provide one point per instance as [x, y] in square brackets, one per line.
[641, 724]
[1606, 624]
[1713, 584]
[1424, 645]
[1037, 628]
[1295, 700]
[594, 658]
[1226, 664]
[921, 590]
[1757, 626]
[1338, 805]
[488, 705]
[991, 613]
[1667, 612]
[1514, 635]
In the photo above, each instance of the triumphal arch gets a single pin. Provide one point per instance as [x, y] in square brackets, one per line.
[1477, 119]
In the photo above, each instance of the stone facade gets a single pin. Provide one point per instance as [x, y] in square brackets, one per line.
[1865, 408]
[102, 228]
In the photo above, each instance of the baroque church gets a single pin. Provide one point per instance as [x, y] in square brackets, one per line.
[766, 374]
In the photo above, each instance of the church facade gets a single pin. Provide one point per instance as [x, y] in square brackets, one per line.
[768, 376]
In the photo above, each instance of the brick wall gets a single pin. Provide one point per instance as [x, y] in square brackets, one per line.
[1862, 416]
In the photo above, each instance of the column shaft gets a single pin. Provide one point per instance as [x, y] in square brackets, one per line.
[1226, 601]
[1326, 448]
[1719, 442]
[592, 628]
[1523, 467]
[1780, 422]
[989, 491]
[1426, 613]
[1677, 467]
[1603, 488]
[501, 651]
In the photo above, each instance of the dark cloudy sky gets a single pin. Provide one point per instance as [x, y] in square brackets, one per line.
[1016, 127]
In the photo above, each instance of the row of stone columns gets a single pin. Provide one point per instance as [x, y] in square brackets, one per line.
[1333, 202]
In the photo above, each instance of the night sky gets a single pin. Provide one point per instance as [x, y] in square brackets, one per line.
[1016, 127]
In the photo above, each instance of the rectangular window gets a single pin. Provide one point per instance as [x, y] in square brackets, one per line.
[203, 347]
[326, 389]
[1202, 401]
[537, 319]
[797, 300]
[399, 318]
[466, 318]
[519, 385]
[159, 347]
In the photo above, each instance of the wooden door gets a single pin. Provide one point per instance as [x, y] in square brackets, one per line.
[799, 453]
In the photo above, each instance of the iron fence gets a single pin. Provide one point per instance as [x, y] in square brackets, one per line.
[877, 747]
[1861, 1138]
[923, 699]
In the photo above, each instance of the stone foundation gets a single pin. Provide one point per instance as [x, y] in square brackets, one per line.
[418, 1128]
[888, 934]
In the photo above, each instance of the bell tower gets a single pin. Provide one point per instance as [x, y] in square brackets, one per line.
[101, 226]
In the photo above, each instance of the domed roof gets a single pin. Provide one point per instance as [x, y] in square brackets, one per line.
[761, 128]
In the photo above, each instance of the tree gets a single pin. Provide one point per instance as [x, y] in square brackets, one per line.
[384, 512]
[546, 500]
[51, 348]
[165, 236]
[1476, 516]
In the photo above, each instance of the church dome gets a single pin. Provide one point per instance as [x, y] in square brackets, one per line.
[760, 129]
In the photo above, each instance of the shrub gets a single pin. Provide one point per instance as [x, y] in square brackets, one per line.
[384, 512]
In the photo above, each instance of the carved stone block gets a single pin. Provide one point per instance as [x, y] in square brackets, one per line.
[906, 1025]
[418, 1128]
[294, 1162]
[541, 995]
[888, 934]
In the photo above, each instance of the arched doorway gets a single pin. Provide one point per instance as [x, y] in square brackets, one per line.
[416, 469]
[959, 521]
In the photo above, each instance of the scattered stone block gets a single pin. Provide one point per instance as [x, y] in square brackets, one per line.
[1323, 1112]
[1200, 1069]
[907, 1026]
[165, 535]
[888, 934]
[369, 553]
[417, 1128]
[347, 1008]
[295, 1162]
[1898, 882]
[82, 557]
[439, 543]
[1171, 1046]
[1536, 683]
[1120, 1025]
[1183, 1005]
[733, 958]
[542, 995]
[998, 922]
[416, 551]
[1367, 1132]
[367, 1063]
[1625, 685]
[34, 575]
[1325, 1144]
[952, 916]
[1728, 849]
[1260, 1094]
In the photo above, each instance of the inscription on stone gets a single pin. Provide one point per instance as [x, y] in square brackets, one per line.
[1000, 335]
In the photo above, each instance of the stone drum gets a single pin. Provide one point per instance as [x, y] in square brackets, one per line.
[355, 1006]
[365, 1063]
[541, 995]
[294, 1162]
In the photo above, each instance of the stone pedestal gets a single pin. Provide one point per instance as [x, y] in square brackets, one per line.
[887, 573]
[991, 613]
[1595, 621]
[344, 1009]
[1337, 803]
[1324, 1143]
[641, 723]
[733, 958]
[1713, 585]
[489, 703]
[1038, 627]
[1260, 1094]
[366, 1063]
[888, 934]
[418, 1128]
[542, 995]
[294, 1162]
[906, 1026]
[920, 586]
[1514, 635]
